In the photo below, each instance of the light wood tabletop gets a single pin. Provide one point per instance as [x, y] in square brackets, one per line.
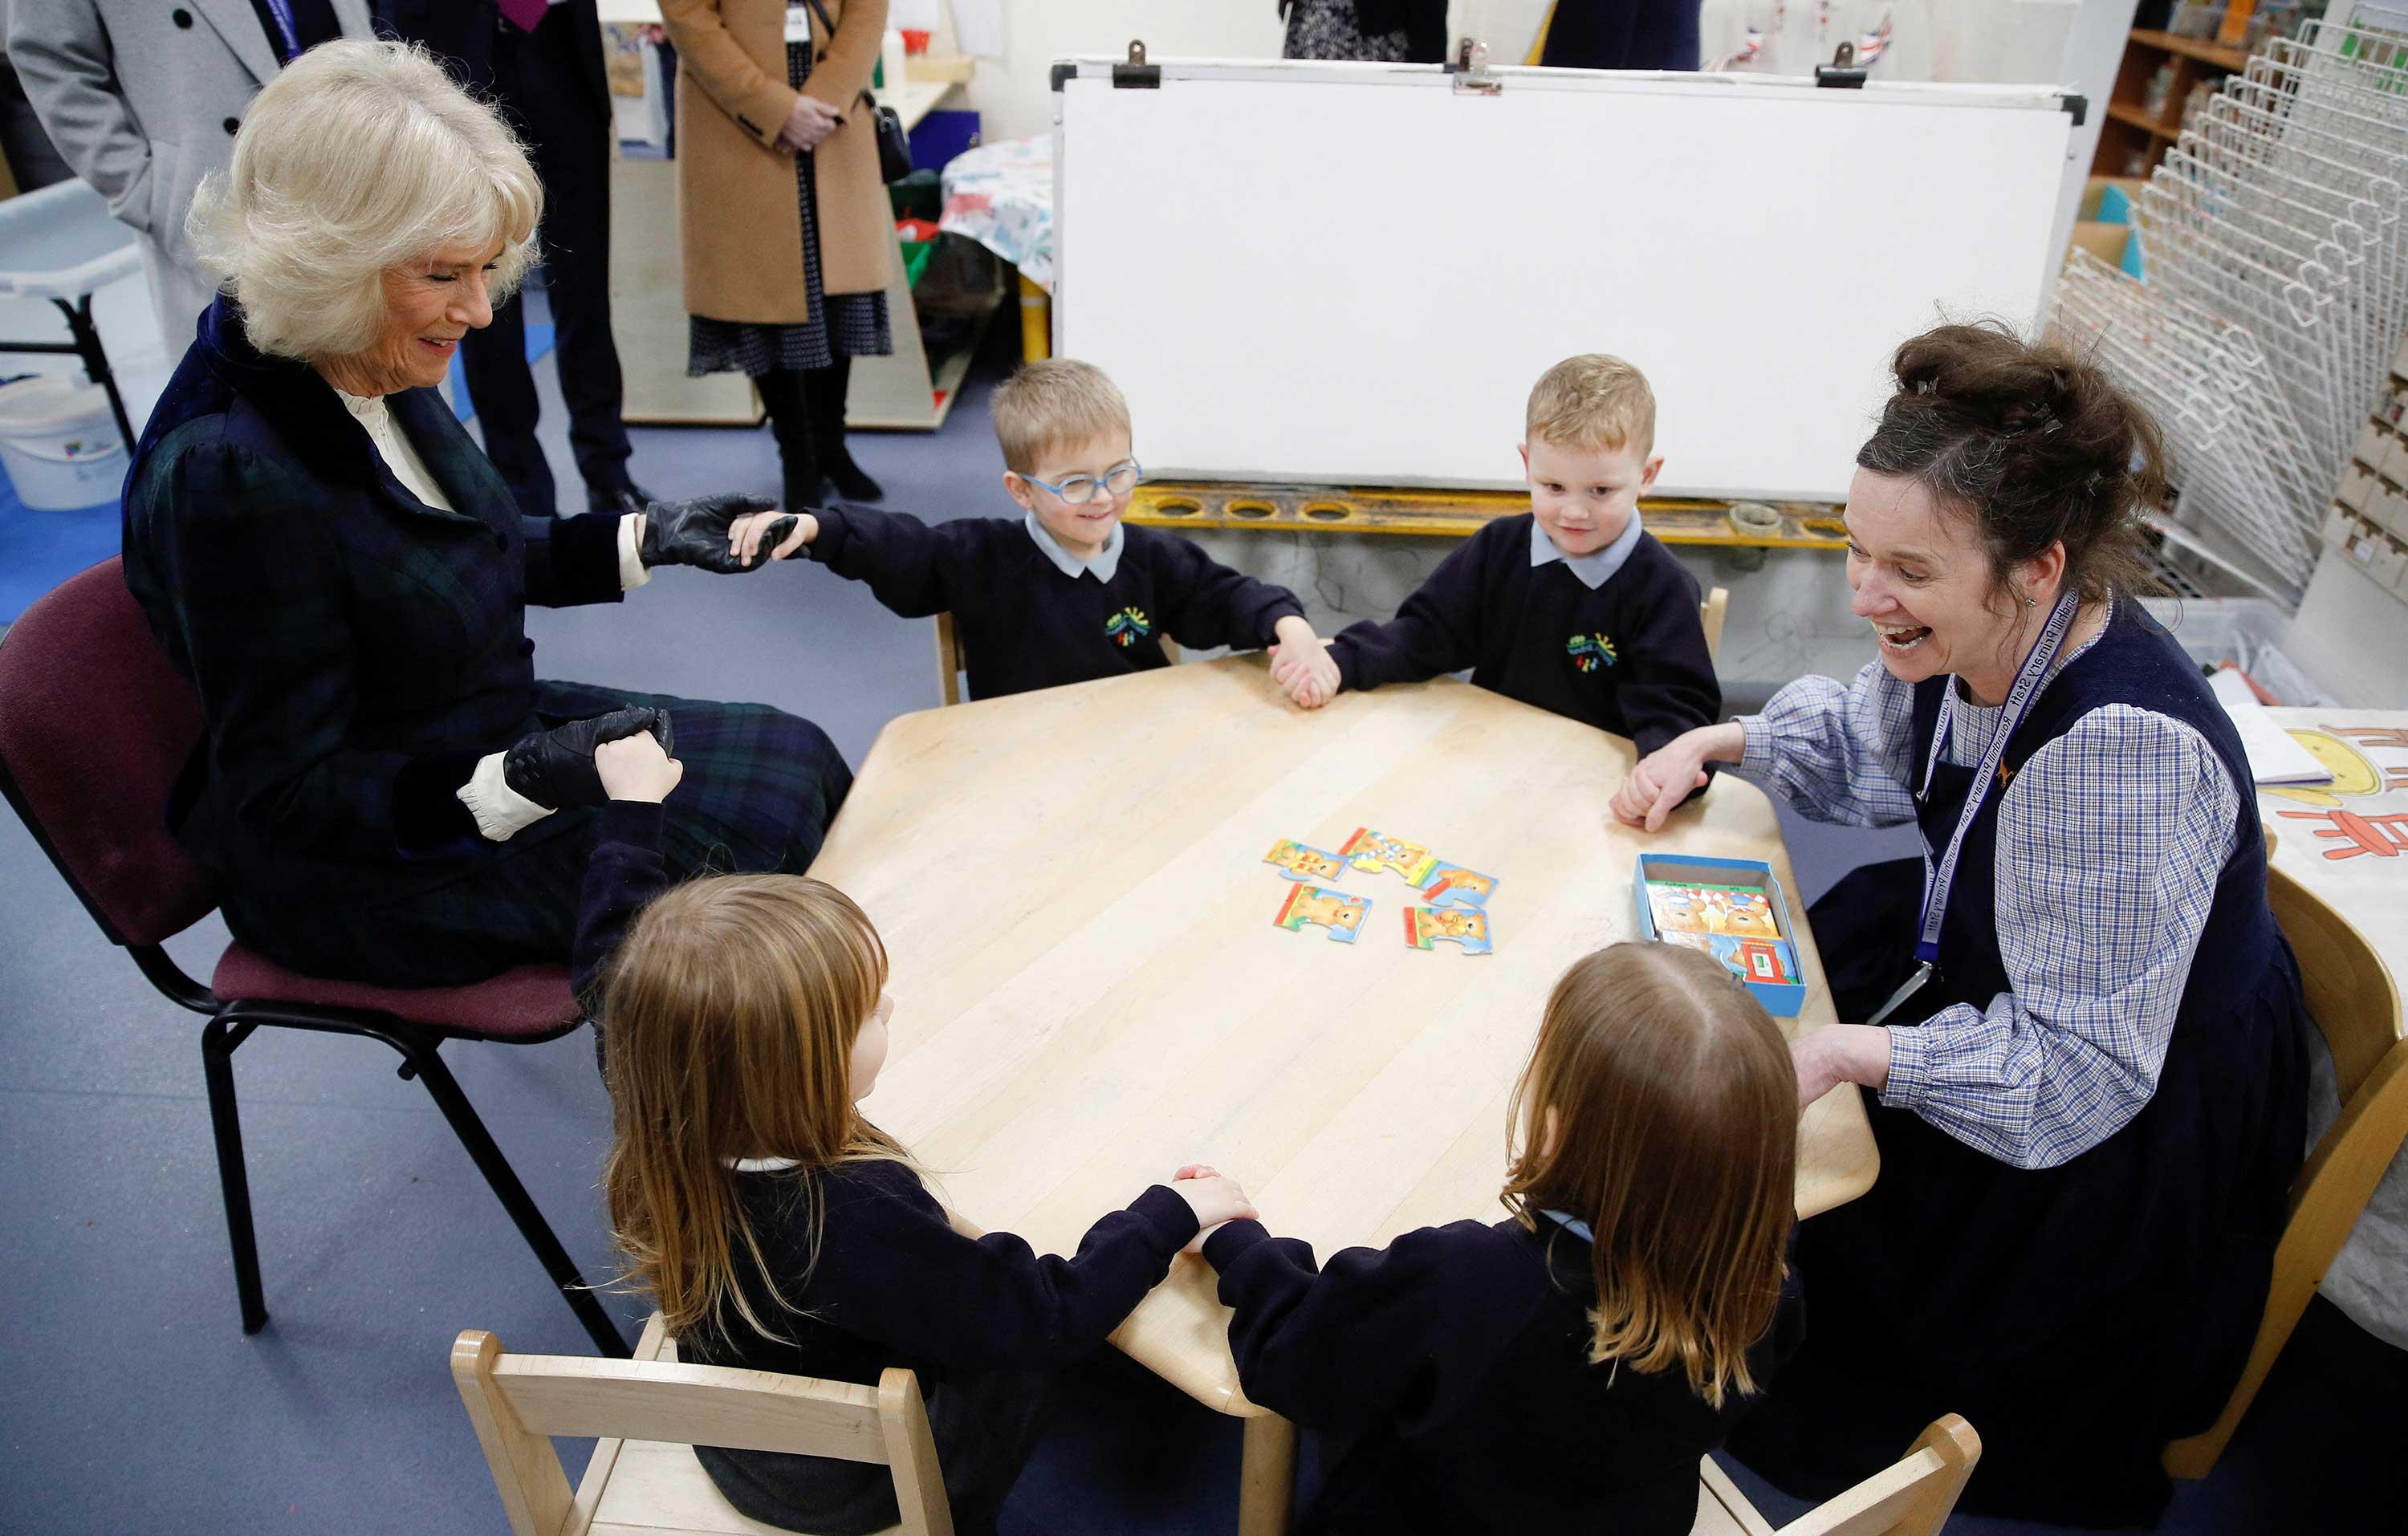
[1090, 989]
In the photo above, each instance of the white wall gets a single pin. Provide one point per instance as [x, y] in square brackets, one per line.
[2352, 637]
[1014, 95]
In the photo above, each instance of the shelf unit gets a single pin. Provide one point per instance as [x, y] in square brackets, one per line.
[2369, 522]
[2130, 131]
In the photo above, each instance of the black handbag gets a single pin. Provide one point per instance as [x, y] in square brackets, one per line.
[894, 144]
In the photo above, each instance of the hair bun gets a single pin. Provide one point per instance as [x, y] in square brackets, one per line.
[2035, 441]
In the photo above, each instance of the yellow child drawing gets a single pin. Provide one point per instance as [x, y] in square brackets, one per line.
[2353, 774]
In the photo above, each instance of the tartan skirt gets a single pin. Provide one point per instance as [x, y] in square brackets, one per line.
[760, 788]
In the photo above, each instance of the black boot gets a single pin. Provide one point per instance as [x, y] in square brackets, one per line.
[826, 387]
[783, 392]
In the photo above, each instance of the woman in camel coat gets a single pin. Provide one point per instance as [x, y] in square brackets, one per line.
[788, 235]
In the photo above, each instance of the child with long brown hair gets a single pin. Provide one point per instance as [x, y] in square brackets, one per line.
[779, 1228]
[1563, 1370]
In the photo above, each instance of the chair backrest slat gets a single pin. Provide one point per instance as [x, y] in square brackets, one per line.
[2350, 993]
[696, 1404]
[95, 726]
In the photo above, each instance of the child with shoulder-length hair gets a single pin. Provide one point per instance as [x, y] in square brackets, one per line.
[777, 1226]
[1563, 1370]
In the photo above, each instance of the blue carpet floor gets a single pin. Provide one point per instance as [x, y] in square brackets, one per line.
[38, 550]
[134, 1403]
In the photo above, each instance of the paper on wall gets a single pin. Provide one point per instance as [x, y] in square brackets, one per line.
[978, 26]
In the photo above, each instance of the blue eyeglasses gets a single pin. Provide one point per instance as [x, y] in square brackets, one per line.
[1079, 490]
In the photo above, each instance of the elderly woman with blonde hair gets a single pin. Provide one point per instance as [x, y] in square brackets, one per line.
[385, 791]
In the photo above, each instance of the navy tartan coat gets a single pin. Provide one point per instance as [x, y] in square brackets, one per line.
[355, 650]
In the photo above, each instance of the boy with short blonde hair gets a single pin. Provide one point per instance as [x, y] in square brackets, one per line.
[1571, 605]
[1067, 593]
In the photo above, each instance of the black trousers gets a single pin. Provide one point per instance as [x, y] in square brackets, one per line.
[538, 85]
[1623, 35]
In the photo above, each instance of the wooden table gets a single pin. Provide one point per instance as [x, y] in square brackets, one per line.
[1090, 990]
[2347, 841]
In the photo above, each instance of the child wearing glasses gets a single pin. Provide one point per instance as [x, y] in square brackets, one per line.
[1573, 606]
[1068, 593]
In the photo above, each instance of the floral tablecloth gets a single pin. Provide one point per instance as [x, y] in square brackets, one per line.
[1001, 195]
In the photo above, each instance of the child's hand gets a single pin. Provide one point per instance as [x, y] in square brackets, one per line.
[1301, 664]
[1635, 803]
[746, 534]
[1665, 777]
[1214, 1199]
[633, 768]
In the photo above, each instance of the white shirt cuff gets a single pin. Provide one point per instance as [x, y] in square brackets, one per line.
[501, 811]
[632, 573]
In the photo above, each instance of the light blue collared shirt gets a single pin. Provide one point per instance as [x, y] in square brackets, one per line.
[1107, 559]
[1595, 569]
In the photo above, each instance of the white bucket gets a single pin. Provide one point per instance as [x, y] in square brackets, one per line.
[59, 442]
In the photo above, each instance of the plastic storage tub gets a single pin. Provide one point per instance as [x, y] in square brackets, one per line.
[59, 443]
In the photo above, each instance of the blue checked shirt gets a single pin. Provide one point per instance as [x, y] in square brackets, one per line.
[2110, 840]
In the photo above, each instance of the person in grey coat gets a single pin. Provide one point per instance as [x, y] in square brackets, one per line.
[142, 98]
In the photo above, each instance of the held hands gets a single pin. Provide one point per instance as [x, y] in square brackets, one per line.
[556, 769]
[1301, 664]
[1215, 1201]
[807, 125]
[786, 531]
[637, 768]
[1665, 777]
[698, 532]
[1837, 1054]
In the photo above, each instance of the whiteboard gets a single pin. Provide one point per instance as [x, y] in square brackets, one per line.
[1352, 273]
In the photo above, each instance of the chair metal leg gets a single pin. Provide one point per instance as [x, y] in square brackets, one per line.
[217, 1044]
[95, 360]
[517, 1201]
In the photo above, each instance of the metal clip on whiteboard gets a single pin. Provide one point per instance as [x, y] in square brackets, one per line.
[1842, 72]
[1137, 75]
[1470, 70]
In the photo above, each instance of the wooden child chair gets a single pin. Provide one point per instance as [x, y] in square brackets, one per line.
[1911, 1496]
[649, 1412]
[952, 665]
[2357, 1008]
[1711, 612]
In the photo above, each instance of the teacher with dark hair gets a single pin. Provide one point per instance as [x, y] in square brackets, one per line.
[384, 791]
[2083, 1046]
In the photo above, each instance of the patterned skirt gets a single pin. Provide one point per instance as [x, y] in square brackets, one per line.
[840, 324]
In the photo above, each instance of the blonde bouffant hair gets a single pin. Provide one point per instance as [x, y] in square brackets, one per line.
[1593, 403]
[1660, 1106]
[357, 158]
[731, 1011]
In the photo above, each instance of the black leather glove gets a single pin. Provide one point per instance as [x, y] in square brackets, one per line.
[694, 532]
[555, 768]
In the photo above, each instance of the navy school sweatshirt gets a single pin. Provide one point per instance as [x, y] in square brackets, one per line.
[893, 1284]
[1023, 623]
[1452, 1368]
[1628, 657]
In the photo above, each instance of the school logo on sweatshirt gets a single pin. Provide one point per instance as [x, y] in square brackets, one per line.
[1589, 652]
[1128, 626]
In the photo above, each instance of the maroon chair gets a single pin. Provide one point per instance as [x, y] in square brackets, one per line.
[94, 726]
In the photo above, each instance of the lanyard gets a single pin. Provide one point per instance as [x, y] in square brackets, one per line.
[1571, 1224]
[1939, 879]
[283, 11]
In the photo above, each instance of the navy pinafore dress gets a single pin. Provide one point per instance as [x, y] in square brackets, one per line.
[2082, 1315]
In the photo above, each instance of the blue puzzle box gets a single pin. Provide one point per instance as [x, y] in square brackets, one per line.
[1732, 908]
